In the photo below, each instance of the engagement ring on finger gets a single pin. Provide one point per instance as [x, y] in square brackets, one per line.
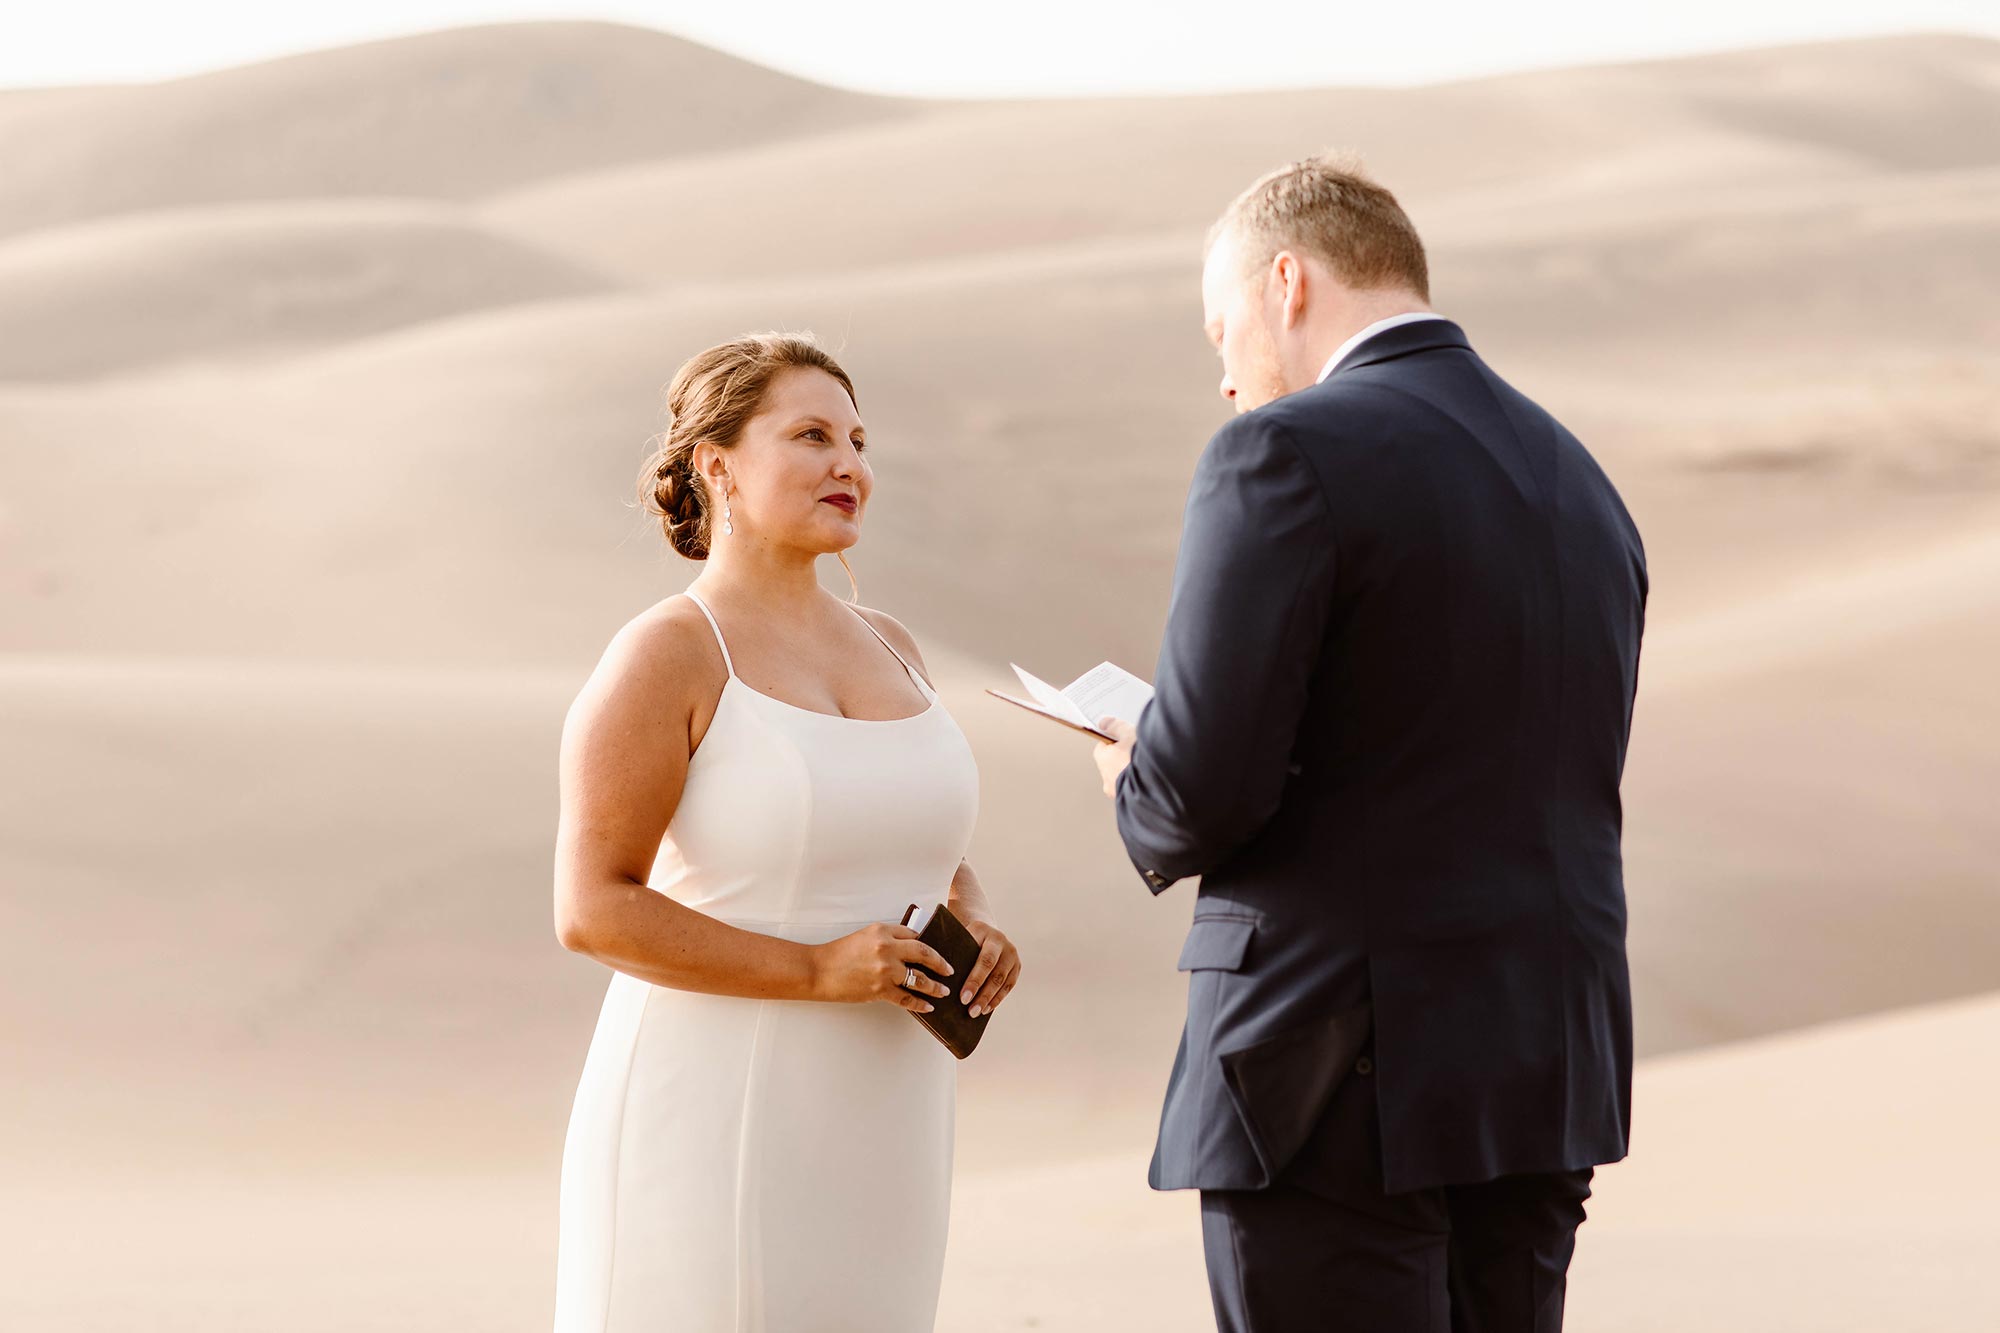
[910, 977]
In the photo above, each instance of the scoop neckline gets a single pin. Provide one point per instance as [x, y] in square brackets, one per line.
[735, 679]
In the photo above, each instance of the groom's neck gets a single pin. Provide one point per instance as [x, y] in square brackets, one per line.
[1353, 314]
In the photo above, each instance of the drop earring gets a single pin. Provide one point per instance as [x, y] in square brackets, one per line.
[728, 520]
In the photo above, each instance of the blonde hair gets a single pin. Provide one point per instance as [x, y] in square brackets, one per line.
[1329, 209]
[713, 394]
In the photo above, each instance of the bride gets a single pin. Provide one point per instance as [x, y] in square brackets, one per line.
[750, 797]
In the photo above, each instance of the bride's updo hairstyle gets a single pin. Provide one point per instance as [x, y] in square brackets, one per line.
[711, 398]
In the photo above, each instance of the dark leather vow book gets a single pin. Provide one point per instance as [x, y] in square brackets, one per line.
[948, 1019]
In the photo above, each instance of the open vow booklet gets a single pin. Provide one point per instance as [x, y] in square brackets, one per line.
[1106, 690]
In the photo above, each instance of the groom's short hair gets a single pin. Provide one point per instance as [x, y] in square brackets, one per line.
[1328, 209]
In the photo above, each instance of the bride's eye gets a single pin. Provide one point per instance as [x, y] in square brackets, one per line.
[861, 446]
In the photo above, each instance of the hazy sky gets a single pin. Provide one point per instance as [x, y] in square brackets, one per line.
[1003, 47]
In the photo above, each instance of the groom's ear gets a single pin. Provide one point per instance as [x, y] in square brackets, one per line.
[1292, 277]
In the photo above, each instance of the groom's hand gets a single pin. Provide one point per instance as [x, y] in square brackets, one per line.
[1112, 756]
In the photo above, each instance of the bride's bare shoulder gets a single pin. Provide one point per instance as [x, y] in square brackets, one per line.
[665, 653]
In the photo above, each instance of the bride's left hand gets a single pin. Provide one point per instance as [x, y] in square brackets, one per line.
[998, 968]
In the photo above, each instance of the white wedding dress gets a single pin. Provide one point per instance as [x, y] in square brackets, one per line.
[775, 1166]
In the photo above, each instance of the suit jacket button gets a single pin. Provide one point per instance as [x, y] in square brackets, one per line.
[1364, 1066]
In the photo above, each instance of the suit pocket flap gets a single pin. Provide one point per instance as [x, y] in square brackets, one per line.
[1281, 1083]
[1216, 941]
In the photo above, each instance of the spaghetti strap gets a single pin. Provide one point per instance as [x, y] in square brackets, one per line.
[731, 666]
[922, 684]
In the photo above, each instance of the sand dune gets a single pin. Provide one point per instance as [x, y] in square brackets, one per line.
[1734, 302]
[251, 282]
[1678, 355]
[1736, 537]
[316, 452]
[443, 115]
[1775, 1187]
[1840, 727]
[998, 177]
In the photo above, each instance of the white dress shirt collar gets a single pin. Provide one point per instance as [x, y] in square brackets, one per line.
[1378, 326]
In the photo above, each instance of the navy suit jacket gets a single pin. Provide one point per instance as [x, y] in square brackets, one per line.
[1390, 720]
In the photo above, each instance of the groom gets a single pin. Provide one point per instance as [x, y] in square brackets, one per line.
[1391, 715]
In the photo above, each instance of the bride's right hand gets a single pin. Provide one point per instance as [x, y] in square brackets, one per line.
[871, 964]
